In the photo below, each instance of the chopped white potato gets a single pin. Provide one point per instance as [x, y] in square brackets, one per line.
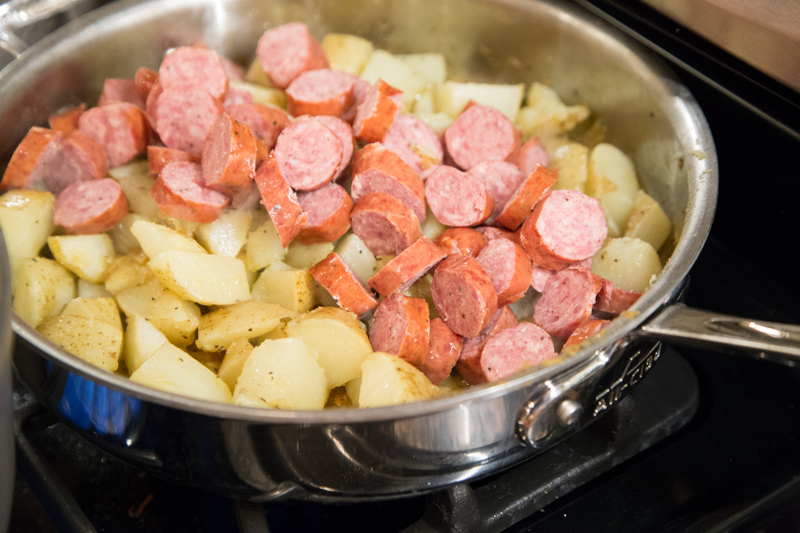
[263, 246]
[87, 256]
[648, 221]
[282, 374]
[26, 218]
[102, 309]
[426, 103]
[250, 319]
[94, 341]
[388, 380]
[358, 257]
[261, 94]
[347, 52]
[122, 237]
[233, 362]
[92, 290]
[571, 161]
[628, 263]
[127, 271]
[545, 115]
[451, 97]
[431, 66]
[431, 227]
[135, 181]
[172, 315]
[154, 239]
[304, 256]
[438, 122]
[142, 339]
[42, 289]
[352, 389]
[398, 73]
[227, 235]
[612, 180]
[202, 278]
[173, 370]
[290, 289]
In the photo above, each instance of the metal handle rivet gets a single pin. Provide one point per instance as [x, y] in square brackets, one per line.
[568, 412]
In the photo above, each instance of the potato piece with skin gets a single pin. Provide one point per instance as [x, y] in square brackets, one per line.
[173, 316]
[154, 239]
[648, 221]
[388, 380]
[42, 289]
[172, 370]
[451, 97]
[358, 257]
[202, 278]
[282, 374]
[141, 341]
[26, 218]
[233, 362]
[126, 272]
[250, 319]
[628, 263]
[135, 181]
[612, 180]
[227, 235]
[263, 246]
[87, 256]
[347, 52]
[290, 289]
[304, 256]
[94, 341]
[338, 339]
[102, 309]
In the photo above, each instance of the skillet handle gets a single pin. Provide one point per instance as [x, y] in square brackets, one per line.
[680, 324]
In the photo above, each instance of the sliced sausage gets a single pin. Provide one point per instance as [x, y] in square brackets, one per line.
[416, 143]
[463, 294]
[93, 206]
[501, 179]
[197, 65]
[77, 158]
[265, 121]
[151, 105]
[120, 128]
[374, 116]
[588, 327]
[540, 276]
[229, 156]
[160, 156]
[401, 326]
[565, 227]
[344, 132]
[509, 268]
[287, 51]
[145, 79]
[376, 169]
[184, 113]
[530, 154]
[469, 361]
[491, 233]
[232, 70]
[179, 192]
[28, 164]
[567, 301]
[465, 241]
[614, 300]
[516, 348]
[404, 270]
[309, 154]
[384, 223]
[480, 133]
[530, 191]
[328, 211]
[280, 200]
[444, 347]
[456, 198]
[360, 90]
[120, 90]
[344, 285]
[66, 120]
[320, 92]
[236, 96]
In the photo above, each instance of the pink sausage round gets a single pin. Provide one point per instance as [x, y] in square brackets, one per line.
[120, 128]
[78, 158]
[287, 51]
[120, 90]
[145, 79]
[401, 326]
[179, 192]
[320, 92]
[328, 211]
[456, 198]
[404, 270]
[461, 241]
[280, 200]
[28, 164]
[529, 192]
[463, 294]
[567, 301]
[160, 156]
[416, 144]
[509, 268]
[374, 116]
[501, 179]
[344, 285]
[66, 120]
[309, 154]
[88, 207]
[469, 361]
[530, 154]
[513, 349]
[444, 346]
[480, 133]
[384, 223]
[613, 300]
[229, 156]
[265, 121]
[184, 113]
[344, 132]
[197, 65]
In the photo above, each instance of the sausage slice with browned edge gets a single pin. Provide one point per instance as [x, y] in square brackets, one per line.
[145, 79]
[66, 120]
[586, 329]
[88, 207]
[466, 241]
[344, 285]
[180, 192]
[77, 158]
[328, 211]
[463, 294]
[309, 154]
[280, 200]
[375, 114]
[416, 143]
[120, 128]
[530, 191]
[384, 223]
[513, 349]
[343, 131]
[530, 154]
[501, 179]
[401, 326]
[120, 90]
[183, 114]
[565, 227]
[195, 64]
[567, 301]
[468, 365]
[229, 156]
[457, 198]
[614, 300]
[265, 121]
[405, 269]
[509, 268]
[320, 92]
[480, 133]
[287, 51]
[444, 347]
[160, 156]
[28, 164]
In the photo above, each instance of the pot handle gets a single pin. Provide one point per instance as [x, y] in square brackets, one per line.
[695, 327]
[16, 14]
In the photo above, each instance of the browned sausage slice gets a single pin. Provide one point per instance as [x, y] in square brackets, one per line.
[461, 241]
[197, 65]
[491, 233]
[530, 154]
[66, 120]
[265, 121]
[567, 301]
[515, 348]
[344, 285]
[374, 116]
[530, 191]
[180, 192]
[401, 326]
[87, 207]
[588, 327]
[613, 300]
[344, 132]
[416, 143]
[328, 211]
[229, 156]
[183, 114]
[444, 347]
[78, 158]
[565, 227]
[320, 92]
[287, 51]
[540, 276]
[405, 269]
[509, 268]
[309, 154]
[236, 96]
[457, 198]
[376, 169]
[160, 156]
[120, 90]
[480, 133]
[469, 361]
[120, 128]
[280, 200]
[384, 223]
[145, 79]
[28, 164]
[501, 179]
[463, 294]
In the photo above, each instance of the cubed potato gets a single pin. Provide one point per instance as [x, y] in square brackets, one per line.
[451, 97]
[87, 256]
[250, 319]
[438, 122]
[202, 278]
[422, 289]
[154, 239]
[648, 221]
[396, 72]
[338, 339]
[290, 289]
[255, 74]
[127, 271]
[227, 235]
[571, 161]
[172, 315]
[121, 236]
[282, 374]
[42, 289]
[388, 380]
[263, 246]
[358, 257]
[352, 389]
[142, 339]
[261, 93]
[347, 52]
[546, 115]
[304, 256]
[233, 362]
[612, 180]
[426, 103]
[172, 370]
[431, 227]
[94, 341]
[102, 309]
[135, 181]
[431, 66]
[92, 290]
[26, 218]
[628, 263]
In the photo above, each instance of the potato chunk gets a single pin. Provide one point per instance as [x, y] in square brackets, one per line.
[628, 263]
[347, 52]
[203, 278]
[155, 239]
[546, 115]
[26, 218]
[648, 221]
[451, 97]
[94, 341]
[142, 339]
[102, 309]
[388, 380]
[42, 289]
[135, 181]
[290, 289]
[250, 319]
[227, 235]
[263, 246]
[358, 257]
[612, 180]
[233, 362]
[88, 256]
[173, 316]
